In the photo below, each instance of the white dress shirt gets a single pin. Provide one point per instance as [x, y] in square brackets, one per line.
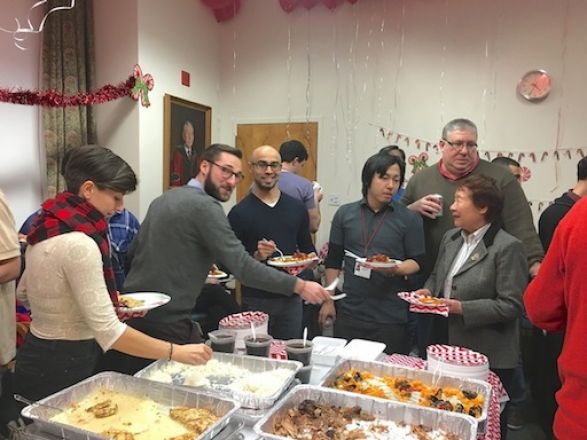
[470, 242]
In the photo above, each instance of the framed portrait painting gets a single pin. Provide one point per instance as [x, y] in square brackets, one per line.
[186, 134]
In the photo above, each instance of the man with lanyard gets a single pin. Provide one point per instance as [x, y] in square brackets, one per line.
[372, 226]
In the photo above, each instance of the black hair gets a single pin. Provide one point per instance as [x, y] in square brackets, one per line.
[505, 161]
[485, 194]
[379, 163]
[582, 169]
[389, 148]
[291, 150]
[101, 166]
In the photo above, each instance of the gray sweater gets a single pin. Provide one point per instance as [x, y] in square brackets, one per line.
[184, 232]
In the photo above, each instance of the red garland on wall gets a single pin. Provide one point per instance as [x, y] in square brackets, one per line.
[136, 86]
[224, 10]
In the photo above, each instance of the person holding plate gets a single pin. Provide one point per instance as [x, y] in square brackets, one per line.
[70, 285]
[263, 219]
[375, 226]
[480, 273]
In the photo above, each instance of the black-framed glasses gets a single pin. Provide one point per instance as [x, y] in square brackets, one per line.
[227, 173]
[457, 145]
[262, 165]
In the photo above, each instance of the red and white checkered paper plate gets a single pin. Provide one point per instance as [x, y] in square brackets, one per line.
[419, 307]
[498, 394]
[241, 324]
[457, 355]
[243, 320]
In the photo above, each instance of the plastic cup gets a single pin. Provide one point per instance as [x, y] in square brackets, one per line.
[222, 341]
[297, 351]
[259, 346]
[304, 374]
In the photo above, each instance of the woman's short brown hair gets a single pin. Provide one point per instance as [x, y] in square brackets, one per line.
[485, 194]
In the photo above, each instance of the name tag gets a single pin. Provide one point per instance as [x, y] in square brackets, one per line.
[362, 271]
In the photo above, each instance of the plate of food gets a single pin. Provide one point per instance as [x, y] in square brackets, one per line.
[142, 301]
[379, 261]
[297, 259]
[216, 273]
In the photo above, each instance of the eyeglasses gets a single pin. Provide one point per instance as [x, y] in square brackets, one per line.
[262, 165]
[227, 173]
[457, 145]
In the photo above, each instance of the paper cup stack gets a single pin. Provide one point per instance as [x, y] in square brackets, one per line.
[457, 361]
[241, 324]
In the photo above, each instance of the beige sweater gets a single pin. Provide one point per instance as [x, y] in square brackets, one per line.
[65, 288]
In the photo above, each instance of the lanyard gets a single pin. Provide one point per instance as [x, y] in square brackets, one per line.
[366, 239]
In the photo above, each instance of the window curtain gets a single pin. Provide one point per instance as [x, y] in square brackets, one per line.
[68, 67]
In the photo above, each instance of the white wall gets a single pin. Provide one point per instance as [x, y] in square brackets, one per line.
[184, 37]
[409, 66]
[21, 174]
[117, 122]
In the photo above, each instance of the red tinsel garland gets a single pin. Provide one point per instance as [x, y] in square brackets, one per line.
[52, 98]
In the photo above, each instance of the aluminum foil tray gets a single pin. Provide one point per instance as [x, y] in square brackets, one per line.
[253, 364]
[165, 394]
[465, 427]
[427, 377]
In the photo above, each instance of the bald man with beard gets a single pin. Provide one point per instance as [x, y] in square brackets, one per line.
[265, 219]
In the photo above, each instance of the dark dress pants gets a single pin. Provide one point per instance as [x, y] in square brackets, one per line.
[394, 336]
[285, 314]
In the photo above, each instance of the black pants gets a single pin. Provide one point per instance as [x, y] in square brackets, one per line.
[44, 367]
[394, 336]
[285, 314]
[179, 332]
[544, 377]
[506, 375]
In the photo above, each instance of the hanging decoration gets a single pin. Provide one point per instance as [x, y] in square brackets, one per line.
[19, 34]
[556, 153]
[289, 5]
[136, 86]
[418, 162]
[143, 85]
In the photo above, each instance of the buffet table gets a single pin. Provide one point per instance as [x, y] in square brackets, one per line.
[241, 428]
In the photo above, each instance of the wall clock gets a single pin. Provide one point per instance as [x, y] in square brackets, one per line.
[535, 85]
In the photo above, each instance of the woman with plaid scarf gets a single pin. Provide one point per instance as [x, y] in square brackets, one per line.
[69, 282]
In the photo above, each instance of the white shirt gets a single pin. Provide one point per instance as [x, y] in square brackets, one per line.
[64, 285]
[470, 242]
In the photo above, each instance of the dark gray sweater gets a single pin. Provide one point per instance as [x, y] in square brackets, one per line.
[184, 232]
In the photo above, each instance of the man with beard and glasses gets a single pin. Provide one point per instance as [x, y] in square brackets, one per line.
[265, 220]
[184, 232]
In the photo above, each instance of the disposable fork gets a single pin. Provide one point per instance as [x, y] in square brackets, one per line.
[276, 248]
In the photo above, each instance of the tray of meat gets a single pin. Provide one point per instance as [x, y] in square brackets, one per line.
[413, 386]
[309, 412]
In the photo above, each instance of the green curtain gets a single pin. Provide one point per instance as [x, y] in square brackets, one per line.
[68, 67]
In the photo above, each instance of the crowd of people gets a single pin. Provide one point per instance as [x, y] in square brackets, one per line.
[461, 231]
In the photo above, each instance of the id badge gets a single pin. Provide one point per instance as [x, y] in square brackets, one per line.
[362, 271]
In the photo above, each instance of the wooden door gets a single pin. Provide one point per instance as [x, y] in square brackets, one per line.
[251, 136]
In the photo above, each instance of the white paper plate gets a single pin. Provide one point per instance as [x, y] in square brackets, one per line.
[278, 263]
[151, 300]
[379, 264]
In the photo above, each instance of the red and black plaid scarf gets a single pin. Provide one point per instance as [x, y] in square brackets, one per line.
[68, 213]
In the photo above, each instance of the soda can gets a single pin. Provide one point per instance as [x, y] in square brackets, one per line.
[439, 198]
